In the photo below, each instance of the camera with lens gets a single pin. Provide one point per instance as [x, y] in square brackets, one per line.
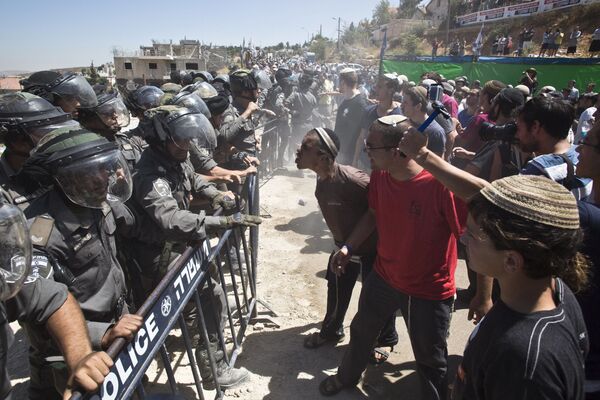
[504, 133]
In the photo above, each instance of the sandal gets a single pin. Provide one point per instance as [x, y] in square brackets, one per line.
[331, 386]
[315, 340]
[379, 355]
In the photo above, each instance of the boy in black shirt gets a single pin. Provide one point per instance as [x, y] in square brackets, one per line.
[524, 231]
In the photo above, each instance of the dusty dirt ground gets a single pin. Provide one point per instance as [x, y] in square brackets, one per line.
[294, 248]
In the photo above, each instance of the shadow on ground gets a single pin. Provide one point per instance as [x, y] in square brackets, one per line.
[311, 225]
[295, 372]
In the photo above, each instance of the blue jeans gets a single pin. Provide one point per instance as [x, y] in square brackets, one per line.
[427, 322]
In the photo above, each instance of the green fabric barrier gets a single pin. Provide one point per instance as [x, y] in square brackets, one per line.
[553, 75]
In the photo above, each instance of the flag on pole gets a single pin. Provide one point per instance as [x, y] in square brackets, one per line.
[479, 40]
[382, 51]
[477, 45]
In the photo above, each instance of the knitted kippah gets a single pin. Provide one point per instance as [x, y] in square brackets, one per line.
[535, 198]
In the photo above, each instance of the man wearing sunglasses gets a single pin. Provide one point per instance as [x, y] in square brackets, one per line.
[418, 222]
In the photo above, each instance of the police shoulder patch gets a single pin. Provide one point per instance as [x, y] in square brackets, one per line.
[162, 187]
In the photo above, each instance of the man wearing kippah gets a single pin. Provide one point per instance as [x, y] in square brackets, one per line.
[524, 231]
[342, 193]
[418, 222]
[543, 125]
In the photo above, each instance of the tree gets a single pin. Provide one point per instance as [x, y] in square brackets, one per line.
[381, 13]
[320, 46]
[94, 77]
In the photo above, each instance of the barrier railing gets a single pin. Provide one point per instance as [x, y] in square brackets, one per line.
[231, 263]
[270, 140]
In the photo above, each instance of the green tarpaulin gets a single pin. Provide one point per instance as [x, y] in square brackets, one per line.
[554, 75]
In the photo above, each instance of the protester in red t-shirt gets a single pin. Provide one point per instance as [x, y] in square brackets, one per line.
[418, 222]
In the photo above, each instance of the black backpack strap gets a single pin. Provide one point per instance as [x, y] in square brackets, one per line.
[569, 181]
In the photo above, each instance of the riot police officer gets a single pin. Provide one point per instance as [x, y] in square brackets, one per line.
[301, 104]
[237, 128]
[163, 186]
[276, 102]
[42, 304]
[24, 120]
[203, 148]
[139, 100]
[107, 119]
[74, 224]
[68, 91]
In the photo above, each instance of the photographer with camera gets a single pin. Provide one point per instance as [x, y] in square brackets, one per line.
[542, 127]
[497, 158]
[468, 142]
[500, 155]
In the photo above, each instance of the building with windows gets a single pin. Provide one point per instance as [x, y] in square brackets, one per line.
[154, 64]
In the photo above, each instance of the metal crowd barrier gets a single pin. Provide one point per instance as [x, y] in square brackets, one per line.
[269, 145]
[163, 310]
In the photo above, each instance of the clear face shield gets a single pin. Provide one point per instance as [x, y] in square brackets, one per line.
[90, 181]
[39, 132]
[114, 114]
[15, 250]
[77, 88]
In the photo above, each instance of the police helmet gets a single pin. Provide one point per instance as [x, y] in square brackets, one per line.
[242, 80]
[186, 77]
[205, 90]
[178, 124]
[282, 75]
[203, 76]
[68, 86]
[304, 81]
[110, 111]
[263, 80]
[223, 78]
[190, 100]
[171, 87]
[143, 98]
[87, 167]
[31, 115]
[216, 102]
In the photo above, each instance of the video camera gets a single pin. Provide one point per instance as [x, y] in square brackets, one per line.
[504, 133]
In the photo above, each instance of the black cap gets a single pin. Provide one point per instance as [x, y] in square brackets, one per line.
[510, 96]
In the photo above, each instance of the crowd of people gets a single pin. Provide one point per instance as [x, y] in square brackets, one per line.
[523, 45]
[503, 177]
[505, 183]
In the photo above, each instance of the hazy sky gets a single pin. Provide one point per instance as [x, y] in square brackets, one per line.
[42, 34]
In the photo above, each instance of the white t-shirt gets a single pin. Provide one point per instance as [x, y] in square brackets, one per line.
[584, 123]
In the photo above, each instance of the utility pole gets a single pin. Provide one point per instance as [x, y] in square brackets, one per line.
[338, 41]
[321, 30]
[448, 28]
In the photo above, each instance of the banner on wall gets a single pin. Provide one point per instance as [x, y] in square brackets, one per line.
[518, 10]
[509, 70]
